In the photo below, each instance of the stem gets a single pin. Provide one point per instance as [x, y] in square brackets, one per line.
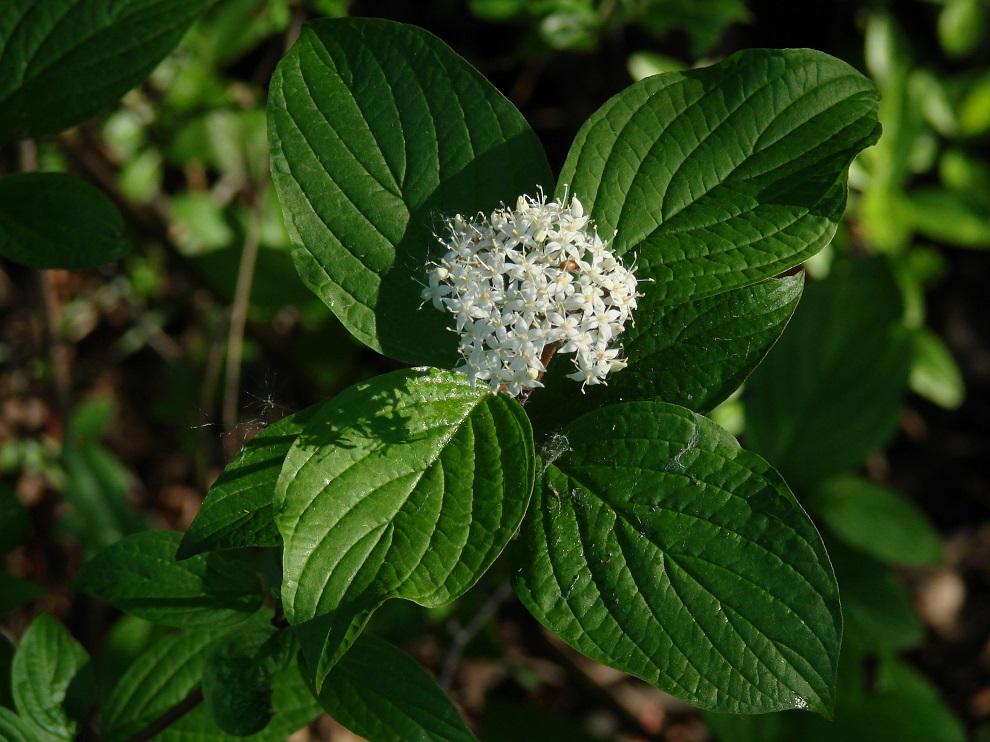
[171, 716]
[238, 321]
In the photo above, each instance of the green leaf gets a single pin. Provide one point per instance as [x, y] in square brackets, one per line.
[378, 133]
[379, 692]
[405, 486]
[935, 375]
[830, 391]
[877, 521]
[52, 679]
[656, 545]
[159, 678]
[719, 177]
[950, 216]
[694, 354]
[876, 610]
[237, 511]
[16, 591]
[14, 729]
[61, 61]
[292, 701]
[139, 575]
[237, 682]
[54, 220]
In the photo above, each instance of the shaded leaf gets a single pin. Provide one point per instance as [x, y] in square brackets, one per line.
[876, 610]
[877, 521]
[658, 546]
[159, 678]
[829, 393]
[378, 132]
[15, 525]
[61, 61]
[140, 575]
[694, 354]
[405, 486]
[54, 220]
[935, 375]
[379, 692]
[237, 682]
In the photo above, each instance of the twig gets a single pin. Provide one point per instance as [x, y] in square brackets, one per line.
[238, 320]
[171, 716]
[463, 636]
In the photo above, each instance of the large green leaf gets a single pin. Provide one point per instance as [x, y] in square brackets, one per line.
[406, 486]
[718, 177]
[52, 679]
[829, 393]
[378, 133]
[140, 575]
[237, 511]
[694, 354]
[658, 546]
[61, 61]
[379, 692]
[54, 220]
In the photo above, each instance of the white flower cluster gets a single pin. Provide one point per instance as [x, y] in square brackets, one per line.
[527, 282]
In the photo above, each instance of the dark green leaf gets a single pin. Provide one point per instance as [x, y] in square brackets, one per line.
[658, 546]
[694, 355]
[159, 678]
[829, 393]
[719, 177]
[97, 489]
[876, 610]
[379, 692]
[877, 521]
[52, 679]
[139, 575]
[292, 701]
[237, 510]
[61, 61]
[16, 591]
[14, 729]
[54, 220]
[406, 486]
[379, 132]
[237, 682]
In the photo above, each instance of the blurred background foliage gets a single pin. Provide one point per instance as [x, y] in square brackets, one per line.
[125, 388]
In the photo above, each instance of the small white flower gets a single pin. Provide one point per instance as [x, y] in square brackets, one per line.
[523, 281]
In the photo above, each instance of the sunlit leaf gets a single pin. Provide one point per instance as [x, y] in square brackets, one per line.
[405, 486]
[378, 132]
[656, 545]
